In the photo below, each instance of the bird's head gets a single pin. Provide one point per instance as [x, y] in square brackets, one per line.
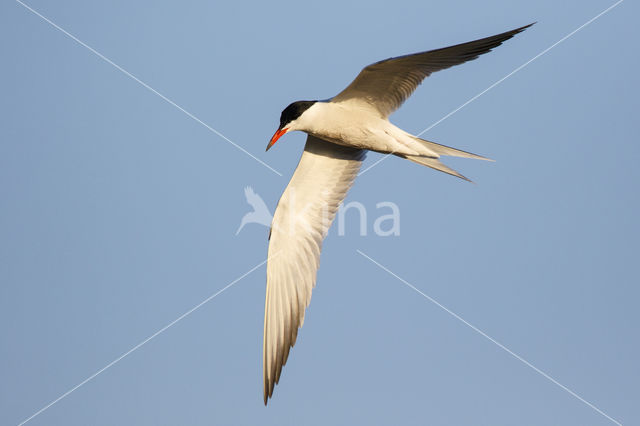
[291, 119]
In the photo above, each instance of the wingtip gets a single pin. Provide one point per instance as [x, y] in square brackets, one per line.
[518, 30]
[267, 393]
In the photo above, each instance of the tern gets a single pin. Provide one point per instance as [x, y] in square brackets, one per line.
[340, 131]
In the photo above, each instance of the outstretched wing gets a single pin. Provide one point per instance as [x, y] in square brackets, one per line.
[385, 85]
[302, 218]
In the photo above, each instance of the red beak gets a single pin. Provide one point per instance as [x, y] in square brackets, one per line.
[276, 136]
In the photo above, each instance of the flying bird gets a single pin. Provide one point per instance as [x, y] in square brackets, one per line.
[340, 131]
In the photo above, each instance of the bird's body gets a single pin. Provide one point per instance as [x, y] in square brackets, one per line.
[340, 132]
[349, 124]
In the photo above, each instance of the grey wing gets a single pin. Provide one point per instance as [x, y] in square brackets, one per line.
[302, 218]
[385, 85]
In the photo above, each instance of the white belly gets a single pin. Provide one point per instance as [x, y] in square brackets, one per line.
[360, 129]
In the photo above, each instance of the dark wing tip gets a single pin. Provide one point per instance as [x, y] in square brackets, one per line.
[478, 46]
[282, 355]
[517, 30]
[268, 390]
[508, 34]
[497, 40]
[525, 27]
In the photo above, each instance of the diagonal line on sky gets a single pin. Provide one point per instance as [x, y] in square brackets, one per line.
[491, 339]
[145, 85]
[501, 80]
[142, 343]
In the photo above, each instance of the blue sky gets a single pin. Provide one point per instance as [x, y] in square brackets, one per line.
[119, 212]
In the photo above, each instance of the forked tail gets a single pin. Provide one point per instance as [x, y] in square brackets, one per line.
[435, 163]
[447, 150]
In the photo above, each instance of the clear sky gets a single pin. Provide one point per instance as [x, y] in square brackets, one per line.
[118, 214]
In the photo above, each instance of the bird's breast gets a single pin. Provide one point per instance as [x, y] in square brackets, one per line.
[346, 126]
